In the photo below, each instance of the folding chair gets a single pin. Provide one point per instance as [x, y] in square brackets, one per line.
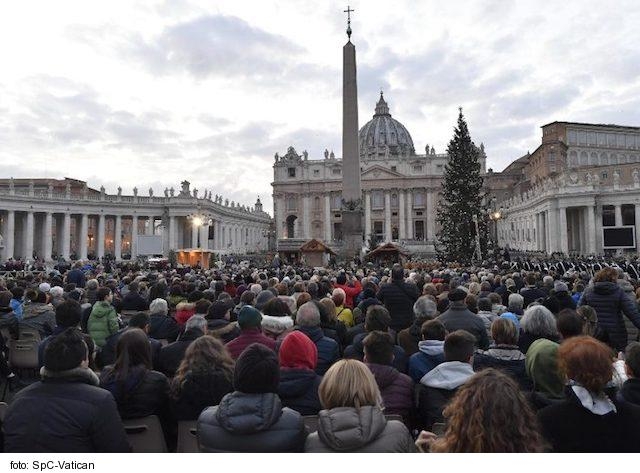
[23, 354]
[145, 435]
[187, 437]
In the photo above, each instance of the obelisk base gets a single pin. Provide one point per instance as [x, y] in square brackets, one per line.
[351, 234]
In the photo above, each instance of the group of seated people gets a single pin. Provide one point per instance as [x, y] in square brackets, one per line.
[399, 362]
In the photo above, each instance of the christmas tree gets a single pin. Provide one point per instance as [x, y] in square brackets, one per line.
[462, 200]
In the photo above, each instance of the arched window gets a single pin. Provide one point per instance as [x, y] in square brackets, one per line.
[291, 226]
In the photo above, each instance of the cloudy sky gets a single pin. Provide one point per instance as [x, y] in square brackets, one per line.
[144, 94]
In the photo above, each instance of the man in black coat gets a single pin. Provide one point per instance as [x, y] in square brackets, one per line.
[398, 297]
[76, 275]
[171, 356]
[133, 300]
[459, 317]
[66, 411]
[140, 320]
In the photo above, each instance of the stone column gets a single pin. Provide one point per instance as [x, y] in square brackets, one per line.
[150, 226]
[101, 236]
[637, 211]
[306, 217]
[48, 236]
[9, 234]
[134, 236]
[562, 224]
[66, 238]
[367, 215]
[327, 218]
[28, 235]
[591, 229]
[194, 235]
[204, 237]
[117, 238]
[84, 229]
[431, 221]
[402, 220]
[172, 232]
[618, 208]
[387, 216]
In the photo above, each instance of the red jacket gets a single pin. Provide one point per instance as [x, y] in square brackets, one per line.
[351, 292]
[246, 338]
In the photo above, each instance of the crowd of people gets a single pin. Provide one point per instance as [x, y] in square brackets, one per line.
[521, 357]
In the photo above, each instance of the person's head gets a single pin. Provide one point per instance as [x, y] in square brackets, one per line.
[569, 323]
[158, 307]
[330, 308]
[196, 322]
[433, 330]
[377, 318]
[276, 307]
[298, 351]
[66, 351]
[378, 348]
[133, 349]
[17, 292]
[303, 298]
[515, 302]
[489, 414]
[530, 279]
[632, 360]
[587, 361]
[308, 315]
[202, 306]
[338, 296]
[204, 353]
[457, 295]
[424, 309]
[541, 364]
[397, 272]
[218, 310]
[248, 297]
[459, 346]
[484, 304]
[607, 274]
[349, 383]
[504, 332]
[249, 318]
[472, 302]
[538, 321]
[256, 370]
[68, 314]
[104, 294]
[589, 319]
[140, 320]
[5, 298]
[263, 298]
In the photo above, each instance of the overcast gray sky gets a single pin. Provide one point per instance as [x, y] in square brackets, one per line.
[150, 93]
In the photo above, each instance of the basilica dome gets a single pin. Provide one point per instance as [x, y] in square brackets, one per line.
[384, 136]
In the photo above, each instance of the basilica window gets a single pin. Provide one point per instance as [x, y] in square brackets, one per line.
[394, 168]
[336, 201]
[335, 171]
[628, 214]
[377, 200]
[292, 172]
[419, 230]
[316, 172]
[417, 168]
[394, 201]
[608, 216]
[292, 203]
[418, 199]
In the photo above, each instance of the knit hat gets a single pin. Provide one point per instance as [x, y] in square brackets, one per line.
[457, 295]
[249, 317]
[298, 351]
[560, 286]
[513, 317]
[256, 370]
[542, 367]
[44, 287]
[262, 298]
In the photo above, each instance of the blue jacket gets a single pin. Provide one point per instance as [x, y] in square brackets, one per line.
[610, 303]
[430, 354]
[328, 349]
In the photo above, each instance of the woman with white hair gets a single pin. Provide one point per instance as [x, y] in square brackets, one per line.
[537, 322]
[161, 325]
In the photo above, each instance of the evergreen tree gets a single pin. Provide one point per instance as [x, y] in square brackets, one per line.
[462, 199]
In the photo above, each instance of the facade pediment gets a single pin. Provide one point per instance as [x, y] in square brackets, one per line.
[379, 172]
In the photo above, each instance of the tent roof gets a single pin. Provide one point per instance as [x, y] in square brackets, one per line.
[316, 246]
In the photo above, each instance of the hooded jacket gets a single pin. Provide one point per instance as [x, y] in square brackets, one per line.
[328, 348]
[246, 338]
[299, 383]
[541, 363]
[506, 358]
[430, 354]
[396, 390]
[610, 303]
[459, 317]
[66, 412]
[163, 327]
[250, 423]
[364, 430]
[437, 387]
[102, 322]
[171, 355]
[39, 316]
[223, 329]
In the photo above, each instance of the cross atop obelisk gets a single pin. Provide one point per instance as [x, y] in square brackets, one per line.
[348, 12]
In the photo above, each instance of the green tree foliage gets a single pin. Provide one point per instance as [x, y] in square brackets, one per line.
[462, 191]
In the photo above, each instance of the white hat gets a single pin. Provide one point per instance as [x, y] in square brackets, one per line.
[44, 287]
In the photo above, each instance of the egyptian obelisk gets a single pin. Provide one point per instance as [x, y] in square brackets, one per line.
[351, 191]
